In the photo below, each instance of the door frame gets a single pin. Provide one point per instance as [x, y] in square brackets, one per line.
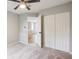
[42, 31]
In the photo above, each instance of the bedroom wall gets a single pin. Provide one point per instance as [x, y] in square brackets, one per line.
[12, 27]
[22, 23]
[58, 10]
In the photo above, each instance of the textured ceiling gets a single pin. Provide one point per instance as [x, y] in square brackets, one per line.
[35, 7]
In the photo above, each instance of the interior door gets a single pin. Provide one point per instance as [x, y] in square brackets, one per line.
[39, 32]
[34, 27]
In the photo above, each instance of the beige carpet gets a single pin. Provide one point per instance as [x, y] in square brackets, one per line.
[20, 51]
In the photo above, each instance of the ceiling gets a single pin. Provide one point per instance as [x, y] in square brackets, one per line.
[35, 7]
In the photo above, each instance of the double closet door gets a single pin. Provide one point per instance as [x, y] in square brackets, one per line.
[57, 31]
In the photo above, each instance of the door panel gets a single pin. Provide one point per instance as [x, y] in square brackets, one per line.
[62, 31]
[49, 31]
[35, 35]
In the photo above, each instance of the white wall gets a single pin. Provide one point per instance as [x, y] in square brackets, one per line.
[12, 27]
[23, 35]
[57, 9]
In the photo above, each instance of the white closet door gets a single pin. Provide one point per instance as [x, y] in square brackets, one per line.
[62, 31]
[49, 31]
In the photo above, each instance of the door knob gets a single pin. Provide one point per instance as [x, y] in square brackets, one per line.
[40, 32]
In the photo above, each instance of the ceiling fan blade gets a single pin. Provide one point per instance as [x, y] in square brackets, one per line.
[14, 0]
[16, 7]
[22, 0]
[32, 1]
[27, 7]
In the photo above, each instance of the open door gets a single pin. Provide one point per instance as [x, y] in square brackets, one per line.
[34, 31]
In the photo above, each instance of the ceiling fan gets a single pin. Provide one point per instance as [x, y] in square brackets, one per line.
[23, 3]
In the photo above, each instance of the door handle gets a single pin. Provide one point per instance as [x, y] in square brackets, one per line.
[40, 32]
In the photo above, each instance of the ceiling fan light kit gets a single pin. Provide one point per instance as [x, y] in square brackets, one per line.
[23, 3]
[22, 6]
